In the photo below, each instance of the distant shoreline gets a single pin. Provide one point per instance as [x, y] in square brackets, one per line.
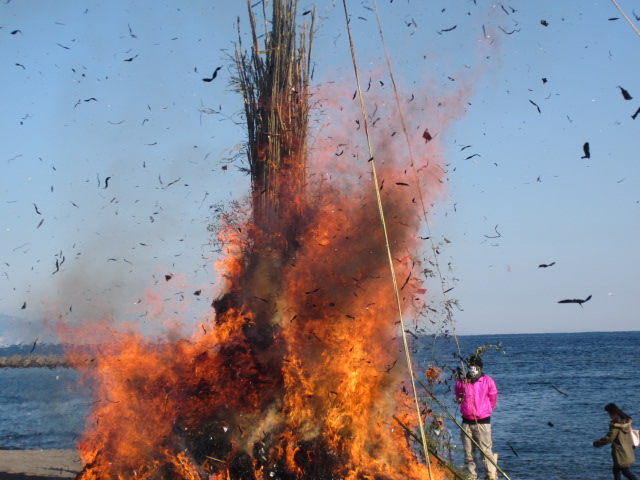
[34, 361]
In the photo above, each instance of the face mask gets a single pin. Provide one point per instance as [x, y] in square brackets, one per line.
[474, 371]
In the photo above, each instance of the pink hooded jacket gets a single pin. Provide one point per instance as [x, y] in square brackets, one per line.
[477, 399]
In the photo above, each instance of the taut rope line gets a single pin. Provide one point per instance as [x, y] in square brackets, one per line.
[416, 178]
[625, 16]
[386, 238]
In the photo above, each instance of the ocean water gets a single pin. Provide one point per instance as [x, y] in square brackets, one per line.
[41, 408]
[538, 432]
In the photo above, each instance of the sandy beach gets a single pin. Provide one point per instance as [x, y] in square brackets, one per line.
[39, 464]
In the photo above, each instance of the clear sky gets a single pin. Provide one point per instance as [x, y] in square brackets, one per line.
[112, 156]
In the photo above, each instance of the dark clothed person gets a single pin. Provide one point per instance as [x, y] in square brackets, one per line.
[619, 436]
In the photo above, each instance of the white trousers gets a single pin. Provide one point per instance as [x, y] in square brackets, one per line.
[481, 433]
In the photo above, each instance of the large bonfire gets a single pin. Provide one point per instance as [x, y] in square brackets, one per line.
[299, 373]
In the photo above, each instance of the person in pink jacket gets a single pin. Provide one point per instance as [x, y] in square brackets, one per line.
[477, 394]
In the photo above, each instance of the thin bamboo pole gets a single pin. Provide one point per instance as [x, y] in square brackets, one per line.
[444, 463]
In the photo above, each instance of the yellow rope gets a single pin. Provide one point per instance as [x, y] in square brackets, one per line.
[417, 180]
[625, 16]
[386, 238]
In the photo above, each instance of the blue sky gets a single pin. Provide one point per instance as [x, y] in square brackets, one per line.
[98, 90]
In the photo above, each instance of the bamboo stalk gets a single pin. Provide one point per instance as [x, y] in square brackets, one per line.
[273, 80]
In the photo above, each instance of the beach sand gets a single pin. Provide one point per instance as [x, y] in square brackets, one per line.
[39, 464]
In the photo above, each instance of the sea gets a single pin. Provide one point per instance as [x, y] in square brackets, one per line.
[552, 393]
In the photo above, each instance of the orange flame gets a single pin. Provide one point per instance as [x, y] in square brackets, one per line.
[300, 373]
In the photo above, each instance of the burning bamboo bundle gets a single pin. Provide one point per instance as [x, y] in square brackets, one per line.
[273, 80]
[297, 376]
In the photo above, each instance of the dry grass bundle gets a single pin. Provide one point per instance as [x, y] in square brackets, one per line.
[274, 82]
